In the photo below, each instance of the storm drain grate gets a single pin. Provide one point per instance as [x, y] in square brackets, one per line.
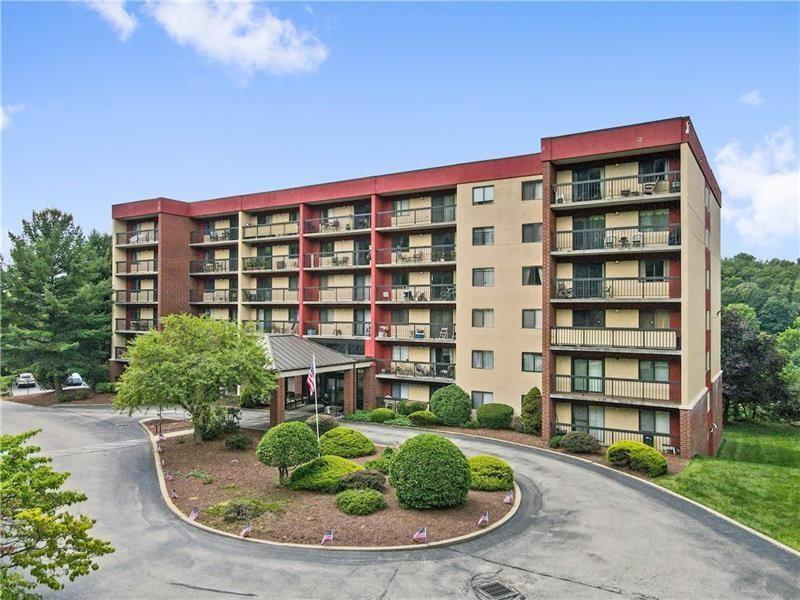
[494, 590]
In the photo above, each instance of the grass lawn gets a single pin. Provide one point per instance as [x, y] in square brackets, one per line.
[755, 479]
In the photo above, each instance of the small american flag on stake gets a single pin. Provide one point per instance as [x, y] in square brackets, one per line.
[327, 537]
[194, 514]
[247, 530]
[484, 520]
[509, 499]
[158, 447]
[161, 437]
[170, 476]
[421, 535]
[174, 494]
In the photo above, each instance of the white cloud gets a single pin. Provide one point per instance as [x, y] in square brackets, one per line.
[752, 98]
[113, 12]
[761, 188]
[6, 112]
[240, 35]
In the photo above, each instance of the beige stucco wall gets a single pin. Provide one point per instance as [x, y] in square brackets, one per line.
[564, 412]
[622, 418]
[716, 289]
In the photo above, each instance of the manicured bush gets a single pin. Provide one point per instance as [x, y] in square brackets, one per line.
[471, 425]
[238, 441]
[326, 423]
[580, 442]
[406, 407]
[555, 441]
[378, 464]
[322, 474]
[381, 415]
[345, 442]
[400, 421]
[531, 412]
[451, 405]
[243, 509]
[360, 501]
[495, 416]
[287, 445]
[105, 387]
[423, 418]
[368, 478]
[638, 457]
[489, 474]
[363, 416]
[429, 471]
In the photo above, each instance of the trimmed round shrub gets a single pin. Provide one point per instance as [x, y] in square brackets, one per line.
[326, 423]
[580, 442]
[407, 407]
[360, 502]
[531, 412]
[429, 471]
[368, 478]
[322, 474]
[381, 415]
[495, 416]
[400, 421]
[471, 425]
[287, 445]
[451, 405]
[423, 418]
[489, 474]
[555, 441]
[638, 457]
[345, 442]
[238, 441]
[379, 464]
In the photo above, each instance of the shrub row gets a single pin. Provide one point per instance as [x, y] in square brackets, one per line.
[638, 457]
[360, 501]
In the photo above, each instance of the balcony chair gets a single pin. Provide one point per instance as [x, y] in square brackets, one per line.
[444, 333]
[563, 291]
[649, 187]
[638, 239]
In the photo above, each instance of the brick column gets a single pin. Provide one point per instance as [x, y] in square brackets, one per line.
[277, 405]
[370, 389]
[548, 316]
[115, 369]
[349, 391]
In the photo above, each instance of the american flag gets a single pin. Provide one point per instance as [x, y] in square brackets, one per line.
[174, 494]
[509, 499]
[158, 447]
[194, 514]
[170, 476]
[328, 537]
[161, 437]
[484, 520]
[421, 535]
[247, 530]
[311, 380]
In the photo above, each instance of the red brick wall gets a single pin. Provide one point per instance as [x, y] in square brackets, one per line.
[548, 316]
[277, 404]
[701, 430]
[371, 389]
[349, 391]
[174, 254]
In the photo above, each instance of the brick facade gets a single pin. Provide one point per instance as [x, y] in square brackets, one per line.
[349, 391]
[371, 389]
[277, 405]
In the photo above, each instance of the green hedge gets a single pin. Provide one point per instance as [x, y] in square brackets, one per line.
[495, 416]
[360, 502]
[638, 457]
[345, 442]
[489, 474]
[580, 442]
[363, 416]
[381, 415]
[287, 445]
[322, 474]
[406, 407]
[423, 418]
[238, 441]
[326, 423]
[555, 441]
[368, 478]
[531, 412]
[451, 405]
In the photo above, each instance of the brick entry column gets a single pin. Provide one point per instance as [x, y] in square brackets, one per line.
[277, 404]
[349, 392]
[370, 389]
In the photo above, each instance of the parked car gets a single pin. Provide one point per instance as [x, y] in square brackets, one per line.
[26, 380]
[74, 379]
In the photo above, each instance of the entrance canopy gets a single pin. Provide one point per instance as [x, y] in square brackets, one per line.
[291, 356]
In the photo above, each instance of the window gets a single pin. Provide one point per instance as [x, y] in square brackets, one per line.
[532, 362]
[531, 232]
[653, 319]
[325, 315]
[263, 219]
[531, 190]
[400, 353]
[293, 215]
[483, 277]
[399, 278]
[531, 275]
[483, 194]
[654, 219]
[656, 166]
[399, 390]
[653, 269]
[482, 359]
[400, 242]
[654, 370]
[482, 317]
[590, 317]
[400, 316]
[655, 421]
[481, 398]
[399, 206]
[483, 236]
[531, 318]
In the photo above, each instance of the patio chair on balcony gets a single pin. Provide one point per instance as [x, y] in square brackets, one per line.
[649, 187]
[610, 240]
[638, 239]
[563, 291]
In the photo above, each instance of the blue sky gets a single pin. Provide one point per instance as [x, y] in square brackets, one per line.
[109, 103]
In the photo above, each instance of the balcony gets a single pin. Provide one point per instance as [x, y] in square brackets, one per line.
[613, 240]
[214, 236]
[417, 294]
[663, 442]
[612, 389]
[337, 294]
[337, 225]
[427, 371]
[616, 191]
[416, 257]
[136, 267]
[135, 296]
[270, 296]
[287, 262]
[212, 266]
[342, 260]
[273, 326]
[134, 325]
[270, 231]
[618, 289]
[615, 338]
[143, 237]
[428, 217]
[213, 296]
[357, 329]
[417, 332]
[120, 353]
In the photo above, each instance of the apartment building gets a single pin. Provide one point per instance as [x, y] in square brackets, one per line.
[590, 269]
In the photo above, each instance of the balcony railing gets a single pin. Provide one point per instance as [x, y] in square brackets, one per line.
[338, 224]
[269, 295]
[346, 293]
[143, 236]
[610, 387]
[338, 328]
[135, 325]
[621, 288]
[664, 442]
[337, 260]
[270, 230]
[416, 256]
[616, 337]
[213, 296]
[271, 263]
[274, 326]
[615, 188]
[412, 369]
[412, 217]
[213, 265]
[619, 238]
[417, 293]
[133, 267]
[120, 353]
[135, 296]
[435, 332]
[210, 236]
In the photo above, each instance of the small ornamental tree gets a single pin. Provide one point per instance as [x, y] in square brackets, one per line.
[531, 412]
[40, 542]
[451, 405]
[287, 445]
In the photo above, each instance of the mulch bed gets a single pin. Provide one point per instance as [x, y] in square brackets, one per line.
[303, 517]
[168, 425]
[50, 399]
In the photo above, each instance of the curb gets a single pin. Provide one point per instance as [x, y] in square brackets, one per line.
[442, 543]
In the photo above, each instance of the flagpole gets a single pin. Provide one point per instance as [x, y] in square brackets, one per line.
[316, 401]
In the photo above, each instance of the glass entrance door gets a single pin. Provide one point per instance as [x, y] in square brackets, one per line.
[587, 375]
[586, 184]
[587, 280]
[588, 233]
